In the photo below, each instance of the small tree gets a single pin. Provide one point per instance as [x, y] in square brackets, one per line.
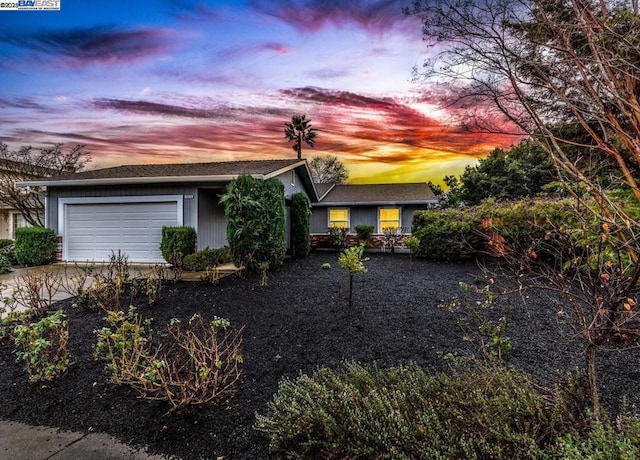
[351, 262]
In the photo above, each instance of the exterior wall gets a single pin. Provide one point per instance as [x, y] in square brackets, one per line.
[291, 187]
[5, 224]
[212, 225]
[188, 192]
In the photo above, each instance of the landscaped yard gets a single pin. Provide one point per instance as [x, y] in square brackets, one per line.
[299, 321]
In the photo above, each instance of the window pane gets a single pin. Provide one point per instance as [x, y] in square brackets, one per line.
[338, 217]
[389, 217]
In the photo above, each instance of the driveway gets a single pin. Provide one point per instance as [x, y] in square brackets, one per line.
[59, 281]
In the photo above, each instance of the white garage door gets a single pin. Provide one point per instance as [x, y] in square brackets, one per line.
[93, 231]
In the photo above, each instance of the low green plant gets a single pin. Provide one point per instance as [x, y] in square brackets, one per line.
[365, 234]
[479, 412]
[600, 441]
[5, 265]
[326, 266]
[351, 261]
[35, 246]
[412, 242]
[207, 258]
[42, 347]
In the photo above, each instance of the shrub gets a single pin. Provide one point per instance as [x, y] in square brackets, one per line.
[255, 212]
[5, 264]
[300, 225]
[365, 233]
[176, 243]
[326, 266]
[35, 246]
[109, 286]
[207, 258]
[36, 291]
[200, 365]
[480, 412]
[42, 346]
[8, 249]
[600, 442]
[446, 235]
[338, 237]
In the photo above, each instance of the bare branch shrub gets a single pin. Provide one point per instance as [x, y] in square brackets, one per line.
[35, 291]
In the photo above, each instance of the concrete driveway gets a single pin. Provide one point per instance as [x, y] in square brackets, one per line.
[60, 281]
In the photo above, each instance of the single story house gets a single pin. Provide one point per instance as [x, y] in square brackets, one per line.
[124, 208]
[381, 205]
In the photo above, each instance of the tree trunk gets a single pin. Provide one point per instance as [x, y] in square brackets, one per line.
[350, 291]
[593, 380]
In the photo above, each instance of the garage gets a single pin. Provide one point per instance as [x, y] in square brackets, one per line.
[93, 230]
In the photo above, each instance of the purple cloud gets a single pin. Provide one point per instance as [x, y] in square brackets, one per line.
[94, 45]
[313, 15]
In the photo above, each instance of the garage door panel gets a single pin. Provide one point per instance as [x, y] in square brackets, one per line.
[95, 231]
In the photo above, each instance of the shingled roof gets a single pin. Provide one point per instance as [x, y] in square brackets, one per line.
[222, 169]
[378, 194]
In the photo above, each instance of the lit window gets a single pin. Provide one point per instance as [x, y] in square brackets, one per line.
[339, 217]
[389, 218]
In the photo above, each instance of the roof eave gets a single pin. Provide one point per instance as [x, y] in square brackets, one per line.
[132, 180]
[376, 203]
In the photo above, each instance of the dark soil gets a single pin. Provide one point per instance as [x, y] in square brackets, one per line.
[300, 321]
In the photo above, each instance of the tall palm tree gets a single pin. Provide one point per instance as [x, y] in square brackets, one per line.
[299, 131]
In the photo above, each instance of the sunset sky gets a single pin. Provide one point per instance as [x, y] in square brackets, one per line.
[163, 81]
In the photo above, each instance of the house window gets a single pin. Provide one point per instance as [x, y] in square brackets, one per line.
[388, 218]
[293, 178]
[18, 221]
[339, 217]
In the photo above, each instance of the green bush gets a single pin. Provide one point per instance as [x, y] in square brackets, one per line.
[365, 233]
[5, 264]
[255, 212]
[300, 225]
[8, 249]
[35, 246]
[446, 235]
[177, 242]
[42, 346]
[206, 258]
[480, 412]
[600, 442]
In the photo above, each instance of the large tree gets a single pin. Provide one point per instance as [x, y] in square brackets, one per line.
[299, 130]
[328, 170]
[29, 163]
[536, 65]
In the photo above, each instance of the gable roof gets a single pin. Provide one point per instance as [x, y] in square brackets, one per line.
[378, 194]
[219, 171]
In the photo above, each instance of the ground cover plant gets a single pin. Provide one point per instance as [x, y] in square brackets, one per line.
[297, 323]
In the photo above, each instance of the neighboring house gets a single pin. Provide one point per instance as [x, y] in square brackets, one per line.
[124, 208]
[12, 172]
[380, 205]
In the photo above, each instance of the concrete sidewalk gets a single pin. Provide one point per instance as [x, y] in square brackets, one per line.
[24, 442]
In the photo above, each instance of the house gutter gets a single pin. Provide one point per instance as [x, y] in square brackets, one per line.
[133, 180]
[372, 203]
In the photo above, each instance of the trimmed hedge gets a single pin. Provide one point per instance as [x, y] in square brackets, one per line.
[8, 249]
[300, 225]
[365, 233]
[35, 246]
[206, 258]
[177, 242]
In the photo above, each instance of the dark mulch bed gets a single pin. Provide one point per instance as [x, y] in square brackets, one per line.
[298, 322]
